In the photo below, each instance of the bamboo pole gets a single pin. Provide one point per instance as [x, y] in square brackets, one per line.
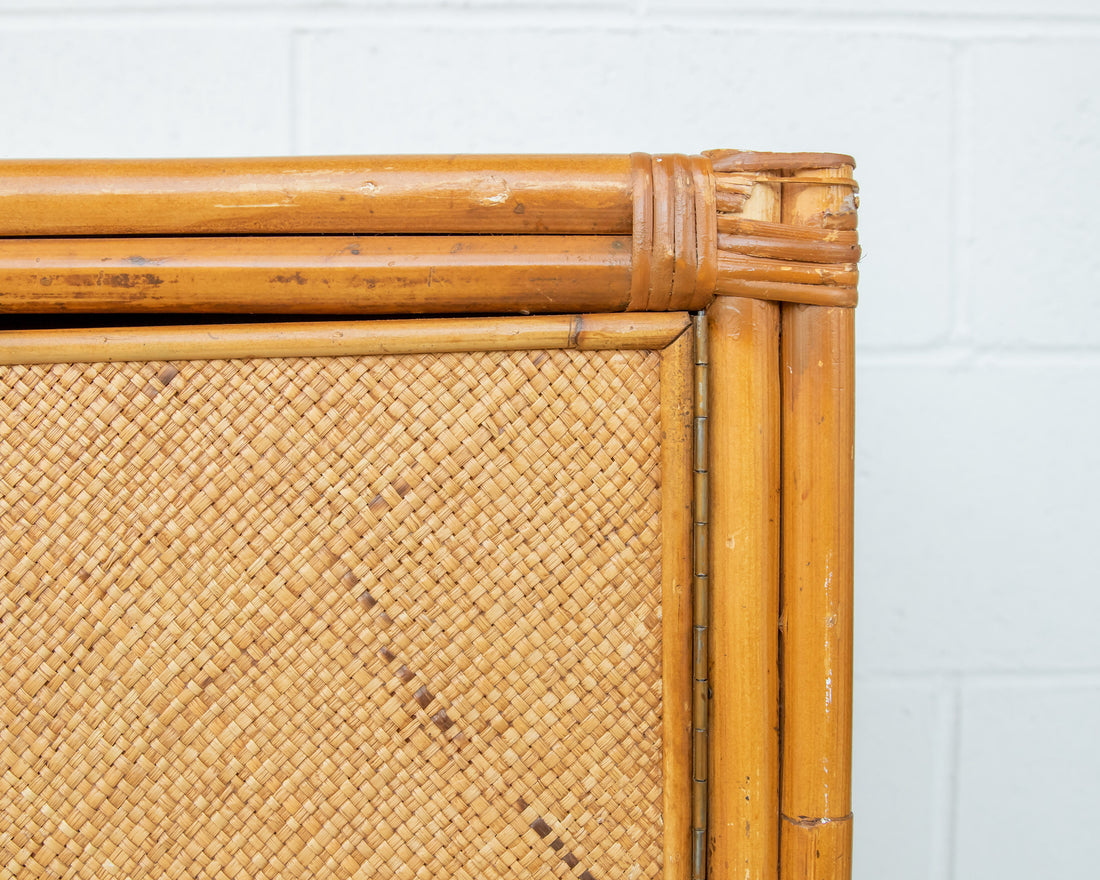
[741, 267]
[744, 578]
[818, 427]
[677, 375]
[337, 194]
[778, 291]
[317, 274]
[778, 242]
[341, 338]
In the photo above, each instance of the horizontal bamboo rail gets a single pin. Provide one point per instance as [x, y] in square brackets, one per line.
[818, 437]
[744, 582]
[744, 576]
[318, 274]
[415, 235]
[677, 375]
[338, 194]
[341, 338]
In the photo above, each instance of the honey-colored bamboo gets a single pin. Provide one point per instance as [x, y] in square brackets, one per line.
[332, 194]
[818, 437]
[677, 373]
[765, 259]
[317, 274]
[415, 236]
[779, 242]
[744, 579]
[755, 160]
[817, 850]
[341, 338]
[528, 234]
[779, 291]
[740, 267]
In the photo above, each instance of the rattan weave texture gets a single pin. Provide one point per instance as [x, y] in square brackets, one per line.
[335, 617]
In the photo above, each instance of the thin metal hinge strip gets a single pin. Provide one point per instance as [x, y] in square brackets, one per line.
[700, 608]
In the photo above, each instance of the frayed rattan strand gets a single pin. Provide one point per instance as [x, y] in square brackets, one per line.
[701, 613]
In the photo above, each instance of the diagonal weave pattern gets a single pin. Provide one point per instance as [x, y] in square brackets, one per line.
[355, 617]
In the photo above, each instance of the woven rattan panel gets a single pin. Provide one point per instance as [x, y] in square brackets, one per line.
[355, 617]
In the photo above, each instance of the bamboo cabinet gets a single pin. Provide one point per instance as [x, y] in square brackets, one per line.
[399, 517]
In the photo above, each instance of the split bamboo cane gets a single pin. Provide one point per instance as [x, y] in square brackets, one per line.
[340, 338]
[677, 368]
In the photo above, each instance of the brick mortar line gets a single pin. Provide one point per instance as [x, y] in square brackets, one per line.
[973, 27]
[956, 358]
[992, 679]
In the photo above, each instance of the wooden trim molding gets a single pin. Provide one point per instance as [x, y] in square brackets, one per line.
[340, 338]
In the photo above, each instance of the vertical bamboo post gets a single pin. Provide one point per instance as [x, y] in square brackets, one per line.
[744, 577]
[818, 429]
[677, 363]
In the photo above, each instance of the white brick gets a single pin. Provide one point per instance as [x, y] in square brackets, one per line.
[919, 8]
[897, 767]
[977, 503]
[885, 100]
[1035, 129]
[1029, 777]
[397, 89]
[144, 92]
[110, 6]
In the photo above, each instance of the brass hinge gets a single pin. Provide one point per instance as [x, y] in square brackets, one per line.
[700, 609]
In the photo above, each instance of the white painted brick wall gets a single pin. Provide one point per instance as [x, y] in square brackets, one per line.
[976, 125]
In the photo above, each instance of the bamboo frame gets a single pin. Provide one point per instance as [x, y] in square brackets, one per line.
[761, 244]
[818, 451]
[677, 375]
[340, 338]
[744, 413]
[665, 332]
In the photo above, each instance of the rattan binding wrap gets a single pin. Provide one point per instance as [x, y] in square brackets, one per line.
[332, 617]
